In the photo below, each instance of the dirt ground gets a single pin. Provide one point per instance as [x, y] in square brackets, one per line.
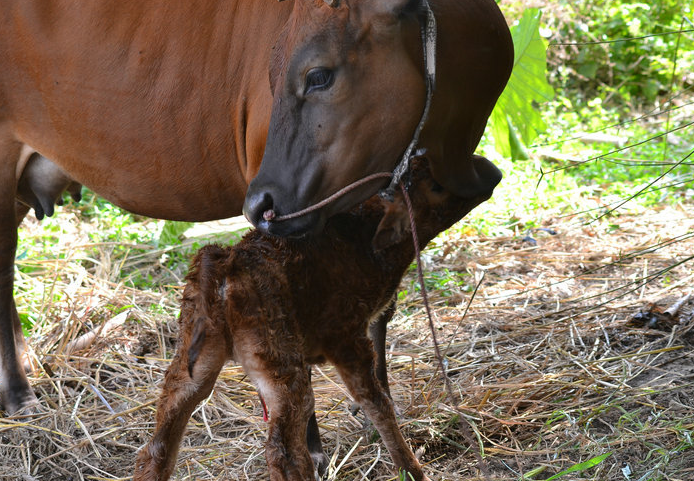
[577, 343]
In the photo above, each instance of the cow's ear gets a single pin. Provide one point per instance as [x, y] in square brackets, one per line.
[397, 8]
[389, 13]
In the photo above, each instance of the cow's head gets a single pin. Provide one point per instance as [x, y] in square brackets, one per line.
[348, 92]
[347, 79]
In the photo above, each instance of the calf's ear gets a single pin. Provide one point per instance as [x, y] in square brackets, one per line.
[394, 226]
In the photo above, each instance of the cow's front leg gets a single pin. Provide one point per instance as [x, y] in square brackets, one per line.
[21, 211]
[15, 393]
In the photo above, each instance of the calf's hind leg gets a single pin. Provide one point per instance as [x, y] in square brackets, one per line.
[277, 368]
[200, 355]
[287, 455]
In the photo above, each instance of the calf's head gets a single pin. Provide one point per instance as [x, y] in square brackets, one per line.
[434, 209]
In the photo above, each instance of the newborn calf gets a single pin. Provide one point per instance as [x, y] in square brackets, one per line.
[277, 305]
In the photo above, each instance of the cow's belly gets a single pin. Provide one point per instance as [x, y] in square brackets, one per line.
[158, 156]
[140, 115]
[195, 187]
[179, 194]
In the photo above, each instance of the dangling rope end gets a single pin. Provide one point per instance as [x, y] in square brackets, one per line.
[387, 194]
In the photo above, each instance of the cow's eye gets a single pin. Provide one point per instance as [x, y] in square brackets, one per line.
[318, 78]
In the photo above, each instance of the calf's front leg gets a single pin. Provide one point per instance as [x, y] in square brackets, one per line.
[377, 333]
[354, 361]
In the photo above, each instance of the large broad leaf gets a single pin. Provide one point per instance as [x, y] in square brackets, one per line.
[527, 87]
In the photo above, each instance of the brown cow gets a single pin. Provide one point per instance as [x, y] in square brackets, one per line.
[164, 107]
[276, 305]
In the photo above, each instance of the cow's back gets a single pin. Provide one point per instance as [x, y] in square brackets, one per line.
[134, 97]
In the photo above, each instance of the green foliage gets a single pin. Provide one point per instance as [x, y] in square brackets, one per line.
[599, 86]
[576, 468]
[404, 476]
[27, 320]
[624, 72]
[115, 224]
[527, 88]
[172, 232]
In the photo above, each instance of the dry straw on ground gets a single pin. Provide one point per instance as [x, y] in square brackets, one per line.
[564, 354]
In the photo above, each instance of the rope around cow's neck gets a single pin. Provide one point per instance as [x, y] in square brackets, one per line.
[428, 32]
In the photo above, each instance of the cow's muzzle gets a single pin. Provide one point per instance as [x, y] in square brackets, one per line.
[261, 202]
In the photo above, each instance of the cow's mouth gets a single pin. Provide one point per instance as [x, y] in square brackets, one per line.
[299, 227]
[268, 214]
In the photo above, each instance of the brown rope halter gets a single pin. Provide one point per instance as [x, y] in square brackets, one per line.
[269, 215]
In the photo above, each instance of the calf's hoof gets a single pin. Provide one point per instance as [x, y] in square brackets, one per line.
[146, 467]
[320, 463]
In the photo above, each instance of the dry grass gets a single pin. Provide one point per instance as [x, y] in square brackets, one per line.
[549, 362]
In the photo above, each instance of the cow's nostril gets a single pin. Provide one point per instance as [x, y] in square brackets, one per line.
[258, 207]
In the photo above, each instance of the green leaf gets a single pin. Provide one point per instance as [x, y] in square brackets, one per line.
[518, 150]
[516, 107]
[172, 231]
[582, 466]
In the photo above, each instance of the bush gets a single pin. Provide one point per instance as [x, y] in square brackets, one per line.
[624, 73]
